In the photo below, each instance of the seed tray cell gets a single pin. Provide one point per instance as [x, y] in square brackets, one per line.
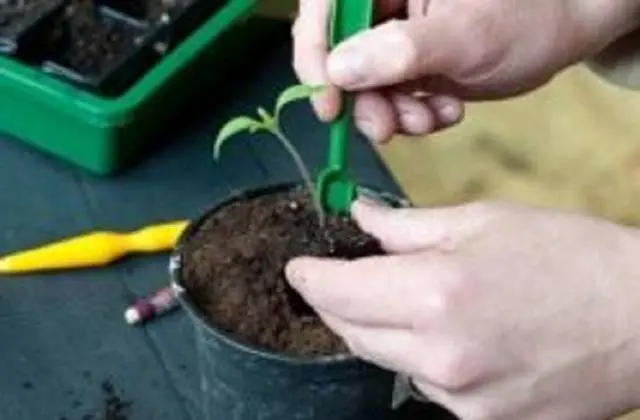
[103, 46]
[21, 19]
[95, 82]
[98, 50]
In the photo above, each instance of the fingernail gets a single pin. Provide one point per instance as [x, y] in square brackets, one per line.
[371, 199]
[368, 128]
[347, 67]
[448, 110]
[326, 104]
[414, 123]
[293, 274]
[321, 108]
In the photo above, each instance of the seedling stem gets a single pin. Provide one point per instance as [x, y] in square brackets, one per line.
[271, 123]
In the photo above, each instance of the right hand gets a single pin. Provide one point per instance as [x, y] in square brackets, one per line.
[495, 311]
[448, 51]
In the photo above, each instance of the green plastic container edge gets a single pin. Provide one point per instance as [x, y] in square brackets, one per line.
[53, 93]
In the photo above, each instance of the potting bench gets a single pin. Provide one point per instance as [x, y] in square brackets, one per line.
[63, 341]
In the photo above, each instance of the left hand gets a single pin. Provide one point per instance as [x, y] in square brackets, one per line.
[495, 311]
[446, 51]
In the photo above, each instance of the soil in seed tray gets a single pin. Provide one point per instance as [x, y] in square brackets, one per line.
[15, 14]
[150, 11]
[234, 270]
[94, 44]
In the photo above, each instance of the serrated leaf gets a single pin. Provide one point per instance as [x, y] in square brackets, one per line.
[295, 93]
[231, 128]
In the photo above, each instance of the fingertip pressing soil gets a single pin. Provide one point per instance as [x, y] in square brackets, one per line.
[233, 268]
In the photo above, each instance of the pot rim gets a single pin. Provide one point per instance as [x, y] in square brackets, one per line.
[187, 303]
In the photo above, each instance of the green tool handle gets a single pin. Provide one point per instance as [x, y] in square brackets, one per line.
[349, 17]
[338, 150]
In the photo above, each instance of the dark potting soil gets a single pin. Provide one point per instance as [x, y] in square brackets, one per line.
[234, 270]
[15, 14]
[113, 406]
[92, 43]
[95, 41]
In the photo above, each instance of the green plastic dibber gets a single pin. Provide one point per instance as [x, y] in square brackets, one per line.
[336, 187]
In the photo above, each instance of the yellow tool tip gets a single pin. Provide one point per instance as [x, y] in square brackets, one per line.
[8, 265]
[5, 267]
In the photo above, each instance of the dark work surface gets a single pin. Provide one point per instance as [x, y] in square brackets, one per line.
[63, 335]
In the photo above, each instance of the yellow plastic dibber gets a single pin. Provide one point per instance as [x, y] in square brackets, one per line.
[93, 249]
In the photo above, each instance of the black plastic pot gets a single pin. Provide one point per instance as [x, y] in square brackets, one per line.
[240, 382]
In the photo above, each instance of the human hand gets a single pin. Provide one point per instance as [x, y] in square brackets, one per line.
[495, 311]
[412, 72]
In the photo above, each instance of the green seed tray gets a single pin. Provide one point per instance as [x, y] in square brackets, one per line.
[104, 134]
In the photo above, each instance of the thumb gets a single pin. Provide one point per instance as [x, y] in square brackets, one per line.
[400, 51]
[407, 230]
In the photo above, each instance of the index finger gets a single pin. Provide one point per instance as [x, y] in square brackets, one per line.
[389, 291]
[311, 49]
[310, 52]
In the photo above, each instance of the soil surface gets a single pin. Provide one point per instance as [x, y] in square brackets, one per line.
[234, 270]
[89, 41]
[15, 14]
[92, 43]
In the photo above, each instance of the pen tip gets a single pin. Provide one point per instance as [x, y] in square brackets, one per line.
[5, 267]
[131, 316]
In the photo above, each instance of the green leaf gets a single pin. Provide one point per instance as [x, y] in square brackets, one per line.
[232, 128]
[295, 93]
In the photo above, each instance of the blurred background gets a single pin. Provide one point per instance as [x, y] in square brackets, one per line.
[574, 144]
